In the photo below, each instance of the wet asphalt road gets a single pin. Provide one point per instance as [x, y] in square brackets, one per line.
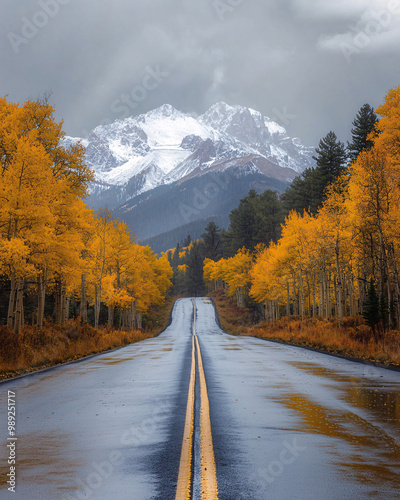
[287, 423]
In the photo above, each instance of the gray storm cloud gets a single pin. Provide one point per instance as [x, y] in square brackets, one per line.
[309, 65]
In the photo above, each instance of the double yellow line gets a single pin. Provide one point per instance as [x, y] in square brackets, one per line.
[209, 486]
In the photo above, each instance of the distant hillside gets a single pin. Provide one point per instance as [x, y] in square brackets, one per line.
[167, 214]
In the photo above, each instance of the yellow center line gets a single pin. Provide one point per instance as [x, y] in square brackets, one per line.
[185, 466]
[209, 486]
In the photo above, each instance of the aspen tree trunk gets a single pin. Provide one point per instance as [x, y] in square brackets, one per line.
[97, 307]
[57, 305]
[345, 294]
[83, 304]
[396, 281]
[61, 303]
[124, 318]
[351, 295]
[41, 300]
[314, 299]
[329, 299]
[110, 316]
[67, 302]
[389, 293]
[339, 299]
[354, 301]
[132, 316]
[361, 290]
[240, 297]
[11, 303]
[287, 298]
[308, 296]
[335, 294]
[389, 290]
[326, 300]
[139, 321]
[61, 308]
[295, 300]
[19, 307]
[301, 296]
[321, 296]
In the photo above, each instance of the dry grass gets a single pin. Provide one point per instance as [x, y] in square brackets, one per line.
[233, 319]
[54, 344]
[353, 338]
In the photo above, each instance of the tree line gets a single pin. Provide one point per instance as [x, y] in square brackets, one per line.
[259, 217]
[58, 258]
[338, 249]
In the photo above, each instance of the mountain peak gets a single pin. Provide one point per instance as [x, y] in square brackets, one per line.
[164, 145]
[165, 110]
[221, 111]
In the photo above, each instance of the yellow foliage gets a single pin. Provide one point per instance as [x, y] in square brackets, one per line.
[47, 231]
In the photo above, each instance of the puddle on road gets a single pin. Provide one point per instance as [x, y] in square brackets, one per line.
[364, 451]
[321, 371]
[113, 361]
[40, 460]
[381, 399]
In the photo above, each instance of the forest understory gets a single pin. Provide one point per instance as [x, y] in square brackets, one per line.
[34, 350]
[353, 339]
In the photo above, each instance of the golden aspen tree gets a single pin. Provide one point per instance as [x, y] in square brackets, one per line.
[334, 216]
[388, 127]
[100, 253]
[235, 273]
[25, 215]
[374, 186]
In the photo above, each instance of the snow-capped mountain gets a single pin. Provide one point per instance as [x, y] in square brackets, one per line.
[168, 173]
[165, 145]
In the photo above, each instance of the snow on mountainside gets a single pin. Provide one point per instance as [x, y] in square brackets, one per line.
[165, 145]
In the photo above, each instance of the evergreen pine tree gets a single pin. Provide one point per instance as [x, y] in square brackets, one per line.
[257, 220]
[363, 125]
[194, 276]
[372, 307]
[307, 191]
[186, 241]
[384, 312]
[302, 193]
[174, 264]
[212, 241]
[330, 158]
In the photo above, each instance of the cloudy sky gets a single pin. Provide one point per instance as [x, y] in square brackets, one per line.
[307, 64]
